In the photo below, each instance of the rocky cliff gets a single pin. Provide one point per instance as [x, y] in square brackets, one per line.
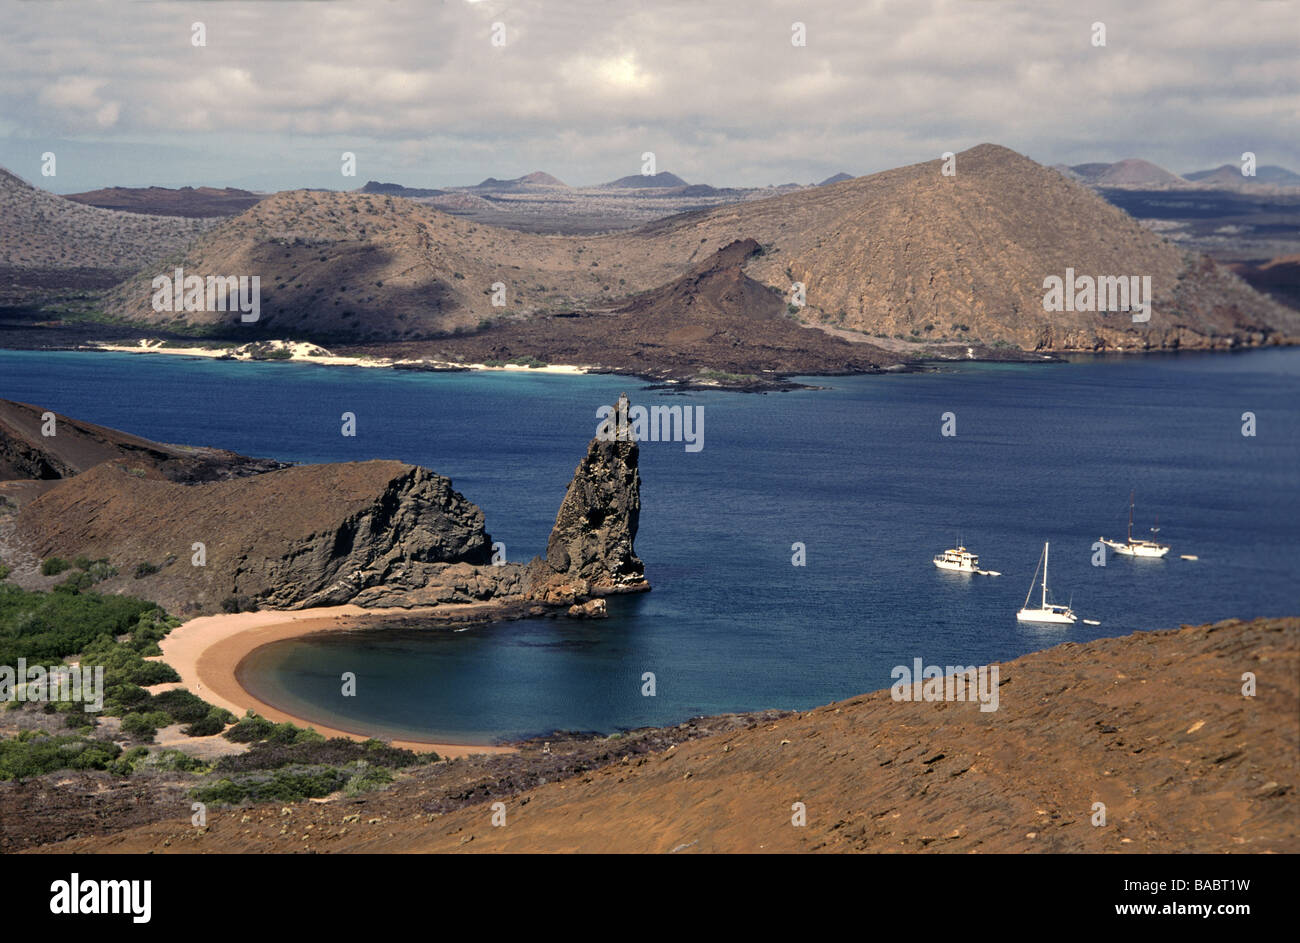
[292, 538]
[590, 551]
[198, 530]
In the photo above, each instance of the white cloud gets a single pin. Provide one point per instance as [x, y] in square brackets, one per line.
[715, 89]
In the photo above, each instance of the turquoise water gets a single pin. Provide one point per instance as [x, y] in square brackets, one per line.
[858, 472]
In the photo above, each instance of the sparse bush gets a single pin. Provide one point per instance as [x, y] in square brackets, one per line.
[337, 751]
[366, 779]
[144, 569]
[77, 581]
[101, 570]
[53, 566]
[291, 784]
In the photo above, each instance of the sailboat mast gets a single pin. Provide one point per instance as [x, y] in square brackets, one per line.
[1045, 546]
[1130, 516]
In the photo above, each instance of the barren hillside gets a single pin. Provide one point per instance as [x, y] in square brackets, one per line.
[39, 230]
[1153, 725]
[906, 253]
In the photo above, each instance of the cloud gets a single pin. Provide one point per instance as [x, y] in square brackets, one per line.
[420, 92]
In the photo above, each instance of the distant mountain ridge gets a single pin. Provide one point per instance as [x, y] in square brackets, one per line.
[537, 178]
[1134, 173]
[661, 180]
[396, 189]
[189, 202]
[907, 252]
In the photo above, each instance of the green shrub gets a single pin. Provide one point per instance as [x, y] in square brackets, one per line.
[77, 718]
[366, 779]
[337, 751]
[207, 726]
[101, 570]
[144, 569]
[47, 627]
[4, 572]
[171, 761]
[253, 728]
[148, 673]
[145, 724]
[33, 753]
[291, 784]
[126, 764]
[53, 566]
[77, 581]
[184, 707]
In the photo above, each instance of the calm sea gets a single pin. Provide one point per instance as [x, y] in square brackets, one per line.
[858, 473]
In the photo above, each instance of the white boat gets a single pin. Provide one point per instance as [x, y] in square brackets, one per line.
[1138, 547]
[961, 560]
[1046, 612]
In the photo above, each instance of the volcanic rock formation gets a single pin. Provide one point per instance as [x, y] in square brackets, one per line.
[201, 529]
[590, 551]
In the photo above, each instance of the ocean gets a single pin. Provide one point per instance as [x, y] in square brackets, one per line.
[859, 473]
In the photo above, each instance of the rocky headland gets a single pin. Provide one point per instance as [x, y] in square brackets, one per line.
[202, 530]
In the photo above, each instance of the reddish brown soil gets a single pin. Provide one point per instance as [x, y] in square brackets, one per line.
[1154, 725]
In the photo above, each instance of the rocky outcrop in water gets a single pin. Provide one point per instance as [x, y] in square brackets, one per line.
[590, 551]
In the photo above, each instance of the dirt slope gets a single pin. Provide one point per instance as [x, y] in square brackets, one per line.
[1154, 725]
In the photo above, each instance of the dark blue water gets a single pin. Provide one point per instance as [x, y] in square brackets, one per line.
[859, 473]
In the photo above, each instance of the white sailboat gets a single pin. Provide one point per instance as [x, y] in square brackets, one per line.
[1045, 612]
[1139, 547]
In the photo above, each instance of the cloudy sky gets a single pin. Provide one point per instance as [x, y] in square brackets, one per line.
[715, 88]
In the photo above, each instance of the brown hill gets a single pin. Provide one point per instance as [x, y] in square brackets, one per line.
[1279, 278]
[1154, 726]
[1134, 172]
[189, 202]
[301, 536]
[39, 230]
[907, 252]
[713, 326]
[76, 446]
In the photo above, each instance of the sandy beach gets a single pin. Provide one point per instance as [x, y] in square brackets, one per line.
[309, 353]
[207, 651]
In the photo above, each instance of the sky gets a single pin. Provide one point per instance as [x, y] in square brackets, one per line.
[448, 92]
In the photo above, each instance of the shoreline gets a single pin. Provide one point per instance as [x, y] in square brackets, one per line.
[206, 652]
[299, 355]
